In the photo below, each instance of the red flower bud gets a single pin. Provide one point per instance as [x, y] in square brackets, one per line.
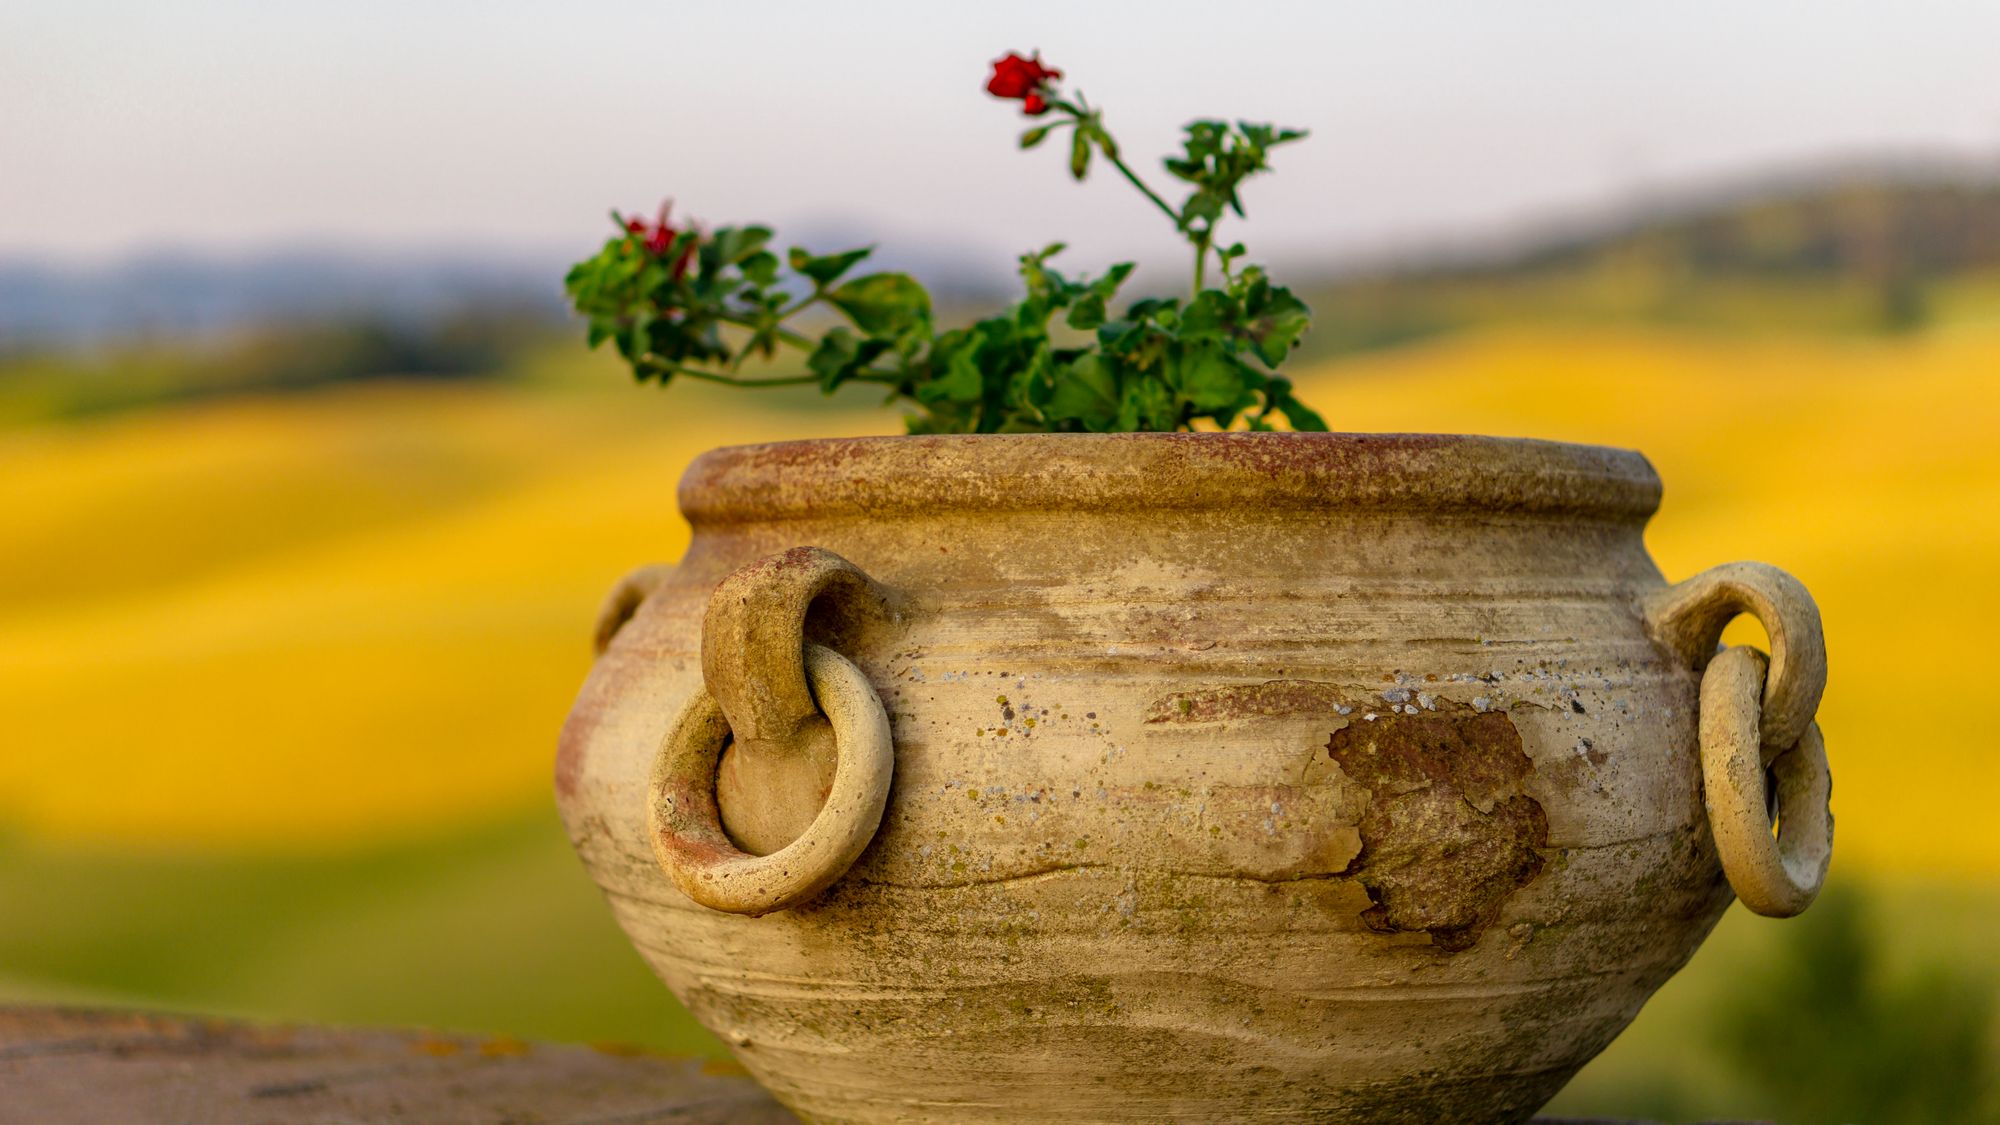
[658, 237]
[1016, 77]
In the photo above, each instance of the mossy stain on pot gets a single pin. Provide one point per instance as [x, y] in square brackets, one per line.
[1450, 832]
[1272, 698]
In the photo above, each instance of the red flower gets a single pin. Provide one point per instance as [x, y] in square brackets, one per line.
[658, 236]
[1016, 77]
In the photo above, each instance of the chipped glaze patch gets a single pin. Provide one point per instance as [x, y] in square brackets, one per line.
[1450, 832]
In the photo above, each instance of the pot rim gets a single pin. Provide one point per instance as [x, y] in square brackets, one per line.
[879, 476]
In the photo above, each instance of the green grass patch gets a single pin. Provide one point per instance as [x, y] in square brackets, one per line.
[493, 930]
[1876, 1005]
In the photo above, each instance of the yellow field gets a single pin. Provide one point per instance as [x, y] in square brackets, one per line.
[320, 619]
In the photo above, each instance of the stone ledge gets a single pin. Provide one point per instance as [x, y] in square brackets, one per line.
[74, 1067]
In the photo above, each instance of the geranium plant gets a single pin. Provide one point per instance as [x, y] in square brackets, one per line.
[682, 302]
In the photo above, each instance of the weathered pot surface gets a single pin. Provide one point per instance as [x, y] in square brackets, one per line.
[1213, 776]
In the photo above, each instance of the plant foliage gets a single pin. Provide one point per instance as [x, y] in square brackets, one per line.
[1066, 358]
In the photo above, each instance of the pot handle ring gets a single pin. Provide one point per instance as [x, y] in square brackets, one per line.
[766, 687]
[1757, 716]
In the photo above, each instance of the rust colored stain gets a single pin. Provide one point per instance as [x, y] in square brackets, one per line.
[1449, 833]
[1352, 454]
[1247, 701]
[570, 748]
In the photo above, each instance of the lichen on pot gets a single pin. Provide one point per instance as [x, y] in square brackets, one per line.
[1308, 777]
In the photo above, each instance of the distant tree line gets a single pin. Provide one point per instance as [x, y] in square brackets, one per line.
[1855, 253]
[467, 343]
[473, 342]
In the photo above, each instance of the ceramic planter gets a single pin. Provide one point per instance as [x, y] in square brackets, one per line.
[1191, 777]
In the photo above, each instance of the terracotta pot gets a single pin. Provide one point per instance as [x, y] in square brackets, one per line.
[1183, 776]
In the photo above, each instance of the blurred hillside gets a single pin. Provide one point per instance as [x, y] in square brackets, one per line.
[125, 373]
[55, 306]
[1859, 251]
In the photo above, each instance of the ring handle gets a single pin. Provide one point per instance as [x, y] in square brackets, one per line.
[688, 839]
[809, 754]
[624, 601]
[1775, 876]
[752, 642]
[1757, 715]
[1689, 618]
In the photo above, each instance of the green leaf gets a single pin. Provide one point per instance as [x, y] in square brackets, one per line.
[1202, 205]
[1212, 314]
[1208, 377]
[1112, 279]
[760, 269]
[1103, 138]
[884, 304]
[733, 244]
[1035, 136]
[1032, 384]
[726, 247]
[841, 355]
[1146, 404]
[1031, 316]
[1149, 351]
[1139, 347]
[1044, 283]
[1297, 413]
[1087, 313]
[960, 381]
[1116, 336]
[626, 267]
[1203, 139]
[1277, 321]
[1091, 297]
[635, 340]
[1079, 155]
[1086, 392]
[825, 269]
[835, 352]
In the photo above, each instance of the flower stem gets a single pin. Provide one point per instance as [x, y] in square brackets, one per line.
[782, 381]
[817, 295]
[1111, 154]
[668, 367]
[797, 340]
[1200, 240]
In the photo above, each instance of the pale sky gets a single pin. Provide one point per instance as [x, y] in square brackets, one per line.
[389, 125]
